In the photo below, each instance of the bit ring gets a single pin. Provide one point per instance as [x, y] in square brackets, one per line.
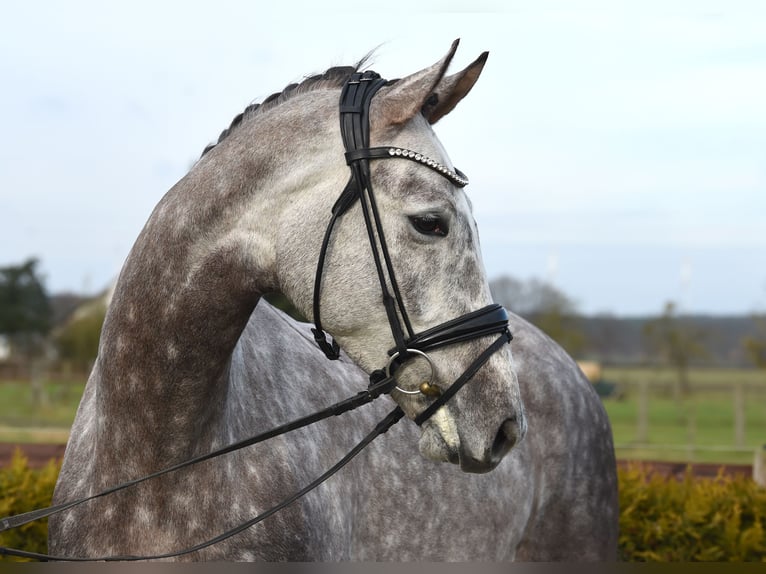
[416, 352]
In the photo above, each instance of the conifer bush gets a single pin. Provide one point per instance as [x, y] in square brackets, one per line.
[23, 489]
[661, 519]
[691, 520]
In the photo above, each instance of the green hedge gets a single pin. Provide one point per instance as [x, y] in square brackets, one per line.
[23, 489]
[691, 520]
[667, 520]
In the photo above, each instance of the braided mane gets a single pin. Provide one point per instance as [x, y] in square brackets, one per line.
[334, 77]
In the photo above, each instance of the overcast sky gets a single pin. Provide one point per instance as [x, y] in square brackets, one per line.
[617, 150]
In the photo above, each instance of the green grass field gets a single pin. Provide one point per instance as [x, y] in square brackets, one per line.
[24, 419]
[699, 376]
[700, 429]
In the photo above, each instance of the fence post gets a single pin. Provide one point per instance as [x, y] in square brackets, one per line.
[690, 410]
[759, 466]
[36, 384]
[643, 412]
[739, 415]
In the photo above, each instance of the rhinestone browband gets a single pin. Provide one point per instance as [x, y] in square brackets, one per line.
[457, 177]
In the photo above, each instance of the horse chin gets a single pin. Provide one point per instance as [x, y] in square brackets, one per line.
[473, 466]
[434, 447]
[439, 443]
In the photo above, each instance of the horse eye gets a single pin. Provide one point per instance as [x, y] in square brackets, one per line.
[429, 225]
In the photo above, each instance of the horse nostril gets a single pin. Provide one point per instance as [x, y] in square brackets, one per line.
[505, 438]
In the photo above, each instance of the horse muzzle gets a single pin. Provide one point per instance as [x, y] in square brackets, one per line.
[441, 441]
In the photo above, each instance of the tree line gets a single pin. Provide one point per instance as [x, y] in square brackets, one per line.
[29, 326]
[31, 329]
[667, 338]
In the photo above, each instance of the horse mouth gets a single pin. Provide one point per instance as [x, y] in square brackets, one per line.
[504, 441]
[434, 446]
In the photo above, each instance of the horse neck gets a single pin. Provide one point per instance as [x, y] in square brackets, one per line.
[182, 300]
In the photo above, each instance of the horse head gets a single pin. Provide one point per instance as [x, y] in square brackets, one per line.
[426, 257]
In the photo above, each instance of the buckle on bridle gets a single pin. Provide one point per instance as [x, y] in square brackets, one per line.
[330, 349]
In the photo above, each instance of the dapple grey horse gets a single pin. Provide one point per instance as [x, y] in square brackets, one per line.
[190, 360]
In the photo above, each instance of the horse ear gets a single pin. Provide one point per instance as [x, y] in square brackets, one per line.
[404, 99]
[451, 90]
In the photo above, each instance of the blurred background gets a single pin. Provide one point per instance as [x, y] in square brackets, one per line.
[616, 157]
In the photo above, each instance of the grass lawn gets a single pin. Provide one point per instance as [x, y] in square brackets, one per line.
[25, 419]
[699, 377]
[700, 428]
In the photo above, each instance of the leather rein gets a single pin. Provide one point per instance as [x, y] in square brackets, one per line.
[492, 319]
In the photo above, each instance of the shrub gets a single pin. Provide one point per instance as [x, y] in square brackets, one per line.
[23, 489]
[691, 520]
[661, 519]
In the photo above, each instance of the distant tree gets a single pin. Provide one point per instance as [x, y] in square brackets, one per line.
[25, 319]
[529, 297]
[676, 343]
[562, 326]
[25, 311]
[545, 306]
[606, 335]
[755, 345]
[77, 341]
[511, 293]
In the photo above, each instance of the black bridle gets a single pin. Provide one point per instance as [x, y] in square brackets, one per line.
[355, 100]
[492, 319]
